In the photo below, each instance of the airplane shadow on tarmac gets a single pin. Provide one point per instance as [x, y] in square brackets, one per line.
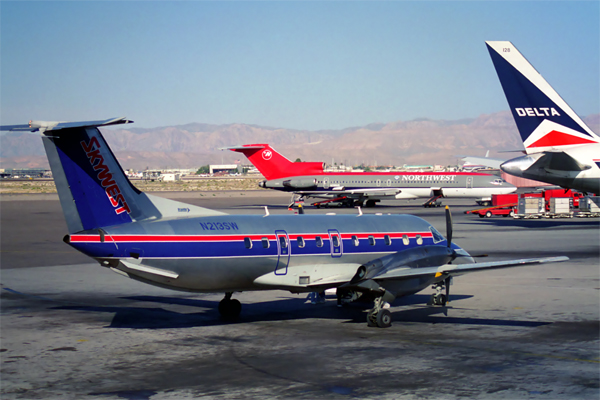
[278, 310]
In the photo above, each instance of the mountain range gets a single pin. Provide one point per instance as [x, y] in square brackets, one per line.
[420, 141]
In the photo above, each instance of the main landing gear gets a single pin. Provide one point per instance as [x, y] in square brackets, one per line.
[439, 298]
[380, 315]
[229, 308]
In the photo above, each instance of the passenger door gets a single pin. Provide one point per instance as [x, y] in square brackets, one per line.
[283, 252]
[335, 243]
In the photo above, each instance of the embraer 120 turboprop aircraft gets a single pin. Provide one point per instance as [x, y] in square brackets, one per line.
[183, 247]
[309, 179]
[561, 149]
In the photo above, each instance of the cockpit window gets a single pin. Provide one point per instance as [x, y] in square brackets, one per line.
[437, 237]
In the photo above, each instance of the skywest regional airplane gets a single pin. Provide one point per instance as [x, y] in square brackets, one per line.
[561, 149]
[354, 188]
[184, 247]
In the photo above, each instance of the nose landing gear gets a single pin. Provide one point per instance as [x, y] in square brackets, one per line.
[439, 298]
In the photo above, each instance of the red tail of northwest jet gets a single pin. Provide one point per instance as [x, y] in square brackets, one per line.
[273, 165]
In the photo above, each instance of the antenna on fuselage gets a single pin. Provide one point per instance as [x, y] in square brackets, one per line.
[266, 212]
[359, 212]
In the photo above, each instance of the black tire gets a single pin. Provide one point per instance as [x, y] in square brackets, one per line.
[442, 300]
[481, 216]
[371, 322]
[488, 214]
[384, 318]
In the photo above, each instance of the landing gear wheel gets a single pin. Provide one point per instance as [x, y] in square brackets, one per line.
[384, 318]
[488, 214]
[370, 203]
[371, 320]
[441, 300]
[379, 316]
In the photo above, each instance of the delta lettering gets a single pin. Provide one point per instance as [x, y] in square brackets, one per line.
[537, 112]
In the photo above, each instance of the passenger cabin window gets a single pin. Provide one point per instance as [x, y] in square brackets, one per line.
[419, 240]
[336, 241]
[265, 242]
[248, 242]
[300, 241]
[319, 241]
[283, 242]
[371, 240]
[355, 240]
[387, 239]
[405, 240]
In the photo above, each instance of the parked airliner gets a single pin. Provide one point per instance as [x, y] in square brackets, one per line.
[184, 247]
[560, 148]
[309, 179]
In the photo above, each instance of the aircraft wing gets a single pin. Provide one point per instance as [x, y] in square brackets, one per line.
[485, 161]
[558, 161]
[355, 193]
[320, 277]
[461, 269]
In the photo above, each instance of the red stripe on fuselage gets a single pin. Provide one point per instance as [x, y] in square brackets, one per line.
[232, 238]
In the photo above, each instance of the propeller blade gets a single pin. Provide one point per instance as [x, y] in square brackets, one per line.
[448, 227]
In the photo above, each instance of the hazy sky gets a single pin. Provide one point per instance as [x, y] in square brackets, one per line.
[304, 65]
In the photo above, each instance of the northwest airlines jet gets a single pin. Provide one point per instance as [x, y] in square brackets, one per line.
[355, 188]
[561, 149]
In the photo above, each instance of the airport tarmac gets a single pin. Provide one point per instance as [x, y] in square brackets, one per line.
[71, 329]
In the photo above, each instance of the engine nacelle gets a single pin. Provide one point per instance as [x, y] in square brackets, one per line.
[426, 256]
[300, 183]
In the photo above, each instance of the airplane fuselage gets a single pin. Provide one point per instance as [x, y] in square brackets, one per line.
[228, 253]
[587, 180]
[399, 185]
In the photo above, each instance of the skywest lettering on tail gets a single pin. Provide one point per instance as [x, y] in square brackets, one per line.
[112, 189]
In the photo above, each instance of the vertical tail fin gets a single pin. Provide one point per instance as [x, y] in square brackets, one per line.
[274, 165]
[545, 121]
[93, 189]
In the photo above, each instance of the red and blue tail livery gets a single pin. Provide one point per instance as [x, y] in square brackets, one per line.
[561, 149]
[544, 119]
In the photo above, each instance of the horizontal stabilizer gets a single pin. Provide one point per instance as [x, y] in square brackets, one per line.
[42, 126]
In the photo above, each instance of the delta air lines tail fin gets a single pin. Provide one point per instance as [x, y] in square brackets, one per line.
[93, 189]
[274, 165]
[545, 121]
